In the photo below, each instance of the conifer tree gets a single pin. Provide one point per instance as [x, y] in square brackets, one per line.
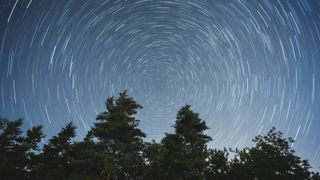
[118, 135]
[184, 152]
[218, 167]
[55, 160]
[114, 149]
[16, 150]
[272, 157]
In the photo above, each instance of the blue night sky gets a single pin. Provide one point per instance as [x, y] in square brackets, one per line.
[245, 66]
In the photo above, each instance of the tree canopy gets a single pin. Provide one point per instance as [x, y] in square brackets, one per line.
[115, 149]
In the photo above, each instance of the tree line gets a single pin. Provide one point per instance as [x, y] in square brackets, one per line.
[114, 149]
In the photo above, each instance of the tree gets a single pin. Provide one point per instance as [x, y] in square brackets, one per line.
[54, 162]
[184, 153]
[17, 151]
[117, 133]
[90, 161]
[152, 156]
[315, 176]
[114, 150]
[218, 167]
[271, 158]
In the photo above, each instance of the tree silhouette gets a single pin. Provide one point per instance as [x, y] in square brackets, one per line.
[315, 176]
[271, 158]
[17, 151]
[184, 153]
[90, 161]
[218, 167]
[54, 162]
[114, 149]
[119, 137]
[153, 159]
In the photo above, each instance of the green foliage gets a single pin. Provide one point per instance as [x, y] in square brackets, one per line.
[184, 153]
[16, 150]
[218, 165]
[153, 160]
[90, 161]
[114, 150]
[315, 176]
[271, 158]
[55, 159]
[119, 140]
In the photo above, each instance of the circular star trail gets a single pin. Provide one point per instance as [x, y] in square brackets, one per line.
[245, 66]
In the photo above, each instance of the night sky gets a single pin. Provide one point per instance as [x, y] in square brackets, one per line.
[245, 66]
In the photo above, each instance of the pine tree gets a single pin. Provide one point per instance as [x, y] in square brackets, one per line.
[114, 150]
[184, 153]
[17, 151]
[119, 137]
[218, 167]
[315, 176]
[271, 158]
[90, 160]
[54, 162]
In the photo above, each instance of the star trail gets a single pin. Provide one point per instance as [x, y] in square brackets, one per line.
[245, 66]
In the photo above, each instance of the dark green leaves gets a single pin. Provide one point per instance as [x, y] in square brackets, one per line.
[114, 148]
